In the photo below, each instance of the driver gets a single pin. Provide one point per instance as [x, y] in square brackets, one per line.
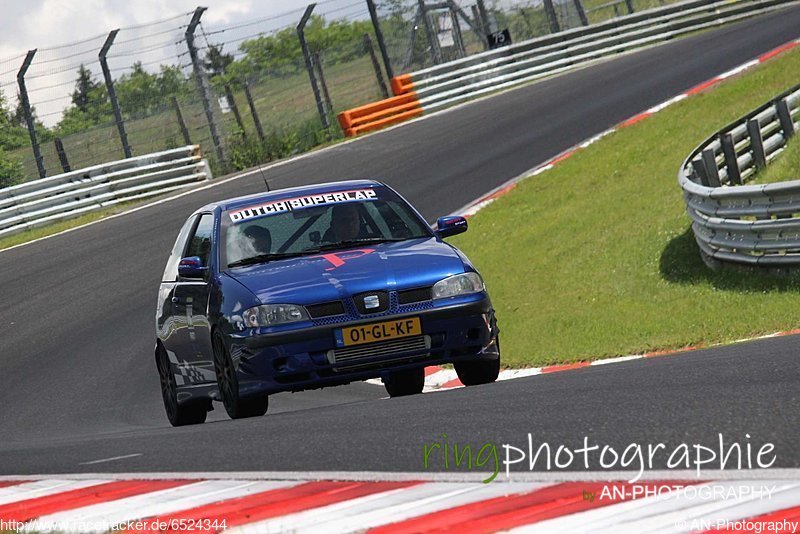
[345, 223]
[260, 238]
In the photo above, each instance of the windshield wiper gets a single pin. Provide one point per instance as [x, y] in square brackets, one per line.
[355, 242]
[264, 258]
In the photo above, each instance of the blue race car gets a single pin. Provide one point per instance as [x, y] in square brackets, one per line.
[312, 287]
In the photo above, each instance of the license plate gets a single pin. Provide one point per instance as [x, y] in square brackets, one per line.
[370, 333]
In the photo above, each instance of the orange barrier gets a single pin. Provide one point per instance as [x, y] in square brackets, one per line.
[379, 114]
[402, 84]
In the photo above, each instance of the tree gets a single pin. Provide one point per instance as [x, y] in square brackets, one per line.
[85, 89]
[12, 134]
[216, 63]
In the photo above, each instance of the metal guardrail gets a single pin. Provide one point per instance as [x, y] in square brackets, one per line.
[466, 78]
[64, 196]
[755, 224]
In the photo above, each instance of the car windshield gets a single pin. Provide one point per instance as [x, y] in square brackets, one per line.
[309, 224]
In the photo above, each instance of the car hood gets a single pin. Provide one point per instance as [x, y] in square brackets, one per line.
[334, 275]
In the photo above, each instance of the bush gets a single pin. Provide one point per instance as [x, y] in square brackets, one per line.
[10, 170]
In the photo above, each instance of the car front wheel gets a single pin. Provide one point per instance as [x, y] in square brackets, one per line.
[480, 371]
[228, 383]
[178, 415]
[405, 382]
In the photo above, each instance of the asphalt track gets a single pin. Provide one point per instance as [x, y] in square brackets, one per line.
[78, 383]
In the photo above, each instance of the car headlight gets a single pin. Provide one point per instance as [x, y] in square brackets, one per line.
[274, 314]
[460, 284]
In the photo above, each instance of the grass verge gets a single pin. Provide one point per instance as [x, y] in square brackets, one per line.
[595, 258]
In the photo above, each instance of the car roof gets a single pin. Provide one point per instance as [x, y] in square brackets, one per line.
[279, 194]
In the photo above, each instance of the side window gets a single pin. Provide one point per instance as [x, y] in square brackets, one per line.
[200, 242]
[171, 271]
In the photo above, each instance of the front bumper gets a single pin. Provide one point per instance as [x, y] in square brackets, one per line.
[301, 359]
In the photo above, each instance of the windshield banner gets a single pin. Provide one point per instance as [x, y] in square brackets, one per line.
[292, 204]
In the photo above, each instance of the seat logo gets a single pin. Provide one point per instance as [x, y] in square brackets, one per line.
[371, 301]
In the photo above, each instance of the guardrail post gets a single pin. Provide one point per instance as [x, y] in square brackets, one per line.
[62, 154]
[710, 163]
[202, 82]
[551, 16]
[181, 122]
[699, 168]
[757, 143]
[375, 65]
[433, 41]
[26, 108]
[112, 95]
[310, 67]
[731, 163]
[581, 12]
[235, 108]
[373, 14]
[253, 112]
[785, 117]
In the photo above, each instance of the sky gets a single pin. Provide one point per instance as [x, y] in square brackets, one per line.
[84, 24]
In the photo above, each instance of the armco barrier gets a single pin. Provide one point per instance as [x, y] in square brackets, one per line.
[64, 196]
[459, 80]
[745, 224]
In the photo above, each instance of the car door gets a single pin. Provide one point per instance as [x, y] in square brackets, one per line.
[190, 306]
[171, 327]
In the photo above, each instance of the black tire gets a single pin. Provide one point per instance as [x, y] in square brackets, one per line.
[178, 414]
[405, 382]
[228, 383]
[480, 371]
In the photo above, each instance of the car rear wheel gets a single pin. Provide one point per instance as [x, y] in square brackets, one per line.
[405, 382]
[178, 414]
[228, 383]
[479, 372]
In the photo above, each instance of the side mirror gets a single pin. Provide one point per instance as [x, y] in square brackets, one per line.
[447, 226]
[192, 267]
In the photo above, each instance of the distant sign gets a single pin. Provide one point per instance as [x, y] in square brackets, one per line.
[498, 39]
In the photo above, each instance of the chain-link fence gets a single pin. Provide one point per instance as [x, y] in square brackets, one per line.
[248, 92]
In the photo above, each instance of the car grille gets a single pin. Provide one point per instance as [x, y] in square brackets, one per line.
[326, 309]
[352, 355]
[409, 296]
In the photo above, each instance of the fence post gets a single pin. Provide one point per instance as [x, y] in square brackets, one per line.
[373, 14]
[62, 155]
[629, 5]
[181, 122]
[112, 95]
[479, 21]
[310, 67]
[253, 112]
[202, 82]
[474, 26]
[323, 84]
[433, 41]
[581, 12]
[26, 107]
[375, 65]
[485, 24]
[551, 16]
[235, 108]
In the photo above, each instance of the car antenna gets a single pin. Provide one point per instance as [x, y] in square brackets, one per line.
[266, 183]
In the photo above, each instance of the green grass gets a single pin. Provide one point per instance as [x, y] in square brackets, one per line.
[785, 167]
[596, 258]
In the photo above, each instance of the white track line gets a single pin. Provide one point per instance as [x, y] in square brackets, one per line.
[44, 488]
